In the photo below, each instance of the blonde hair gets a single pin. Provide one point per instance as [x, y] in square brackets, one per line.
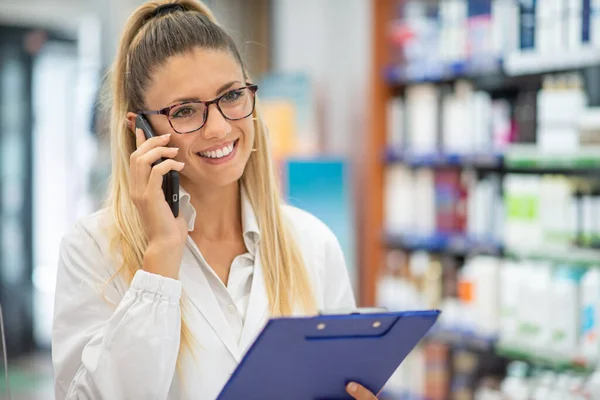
[146, 43]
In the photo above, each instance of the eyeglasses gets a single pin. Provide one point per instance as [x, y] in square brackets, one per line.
[189, 116]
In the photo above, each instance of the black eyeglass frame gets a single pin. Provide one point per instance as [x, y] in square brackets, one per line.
[165, 111]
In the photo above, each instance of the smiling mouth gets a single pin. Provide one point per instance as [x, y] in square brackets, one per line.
[219, 153]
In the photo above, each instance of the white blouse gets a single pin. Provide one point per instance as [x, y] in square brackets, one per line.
[114, 341]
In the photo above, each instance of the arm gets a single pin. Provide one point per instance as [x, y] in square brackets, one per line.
[103, 352]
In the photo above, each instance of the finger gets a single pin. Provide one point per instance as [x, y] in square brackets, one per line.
[156, 154]
[158, 171]
[143, 164]
[151, 143]
[143, 158]
[139, 138]
[359, 392]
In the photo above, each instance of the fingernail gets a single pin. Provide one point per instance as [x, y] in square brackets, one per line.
[352, 387]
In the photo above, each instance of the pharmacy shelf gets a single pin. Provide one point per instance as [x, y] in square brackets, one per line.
[532, 63]
[519, 159]
[401, 75]
[463, 339]
[543, 357]
[443, 243]
[527, 158]
[415, 160]
[572, 255]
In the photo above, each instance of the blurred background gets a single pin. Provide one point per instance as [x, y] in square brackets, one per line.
[453, 146]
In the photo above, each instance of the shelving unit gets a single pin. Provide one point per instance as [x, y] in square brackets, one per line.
[478, 161]
[532, 63]
[444, 243]
[515, 74]
[552, 360]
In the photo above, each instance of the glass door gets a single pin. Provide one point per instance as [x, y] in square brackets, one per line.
[15, 190]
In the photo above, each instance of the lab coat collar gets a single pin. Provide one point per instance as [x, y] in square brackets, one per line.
[249, 221]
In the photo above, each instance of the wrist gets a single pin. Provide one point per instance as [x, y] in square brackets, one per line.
[160, 259]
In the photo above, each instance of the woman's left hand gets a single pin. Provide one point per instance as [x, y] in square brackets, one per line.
[359, 392]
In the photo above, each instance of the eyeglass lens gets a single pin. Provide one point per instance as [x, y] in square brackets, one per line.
[234, 105]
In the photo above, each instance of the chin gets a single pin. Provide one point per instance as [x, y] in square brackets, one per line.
[226, 179]
[217, 179]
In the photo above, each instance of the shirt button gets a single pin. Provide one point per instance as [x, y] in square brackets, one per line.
[231, 308]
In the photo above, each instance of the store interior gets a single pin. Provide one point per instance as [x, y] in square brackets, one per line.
[452, 146]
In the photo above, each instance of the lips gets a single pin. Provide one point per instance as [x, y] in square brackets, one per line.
[220, 152]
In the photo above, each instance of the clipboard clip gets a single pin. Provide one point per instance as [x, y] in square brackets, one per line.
[354, 311]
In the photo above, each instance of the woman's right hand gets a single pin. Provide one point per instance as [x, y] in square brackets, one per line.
[166, 234]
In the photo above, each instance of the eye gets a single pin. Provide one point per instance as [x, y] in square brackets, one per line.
[232, 96]
[183, 112]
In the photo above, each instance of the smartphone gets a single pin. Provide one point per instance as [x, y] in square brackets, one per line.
[170, 184]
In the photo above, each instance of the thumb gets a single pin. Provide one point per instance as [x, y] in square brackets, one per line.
[359, 392]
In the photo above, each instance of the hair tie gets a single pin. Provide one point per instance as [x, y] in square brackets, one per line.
[165, 9]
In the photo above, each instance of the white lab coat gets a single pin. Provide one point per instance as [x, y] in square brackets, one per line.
[125, 346]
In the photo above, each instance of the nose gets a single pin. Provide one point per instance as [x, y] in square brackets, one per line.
[216, 126]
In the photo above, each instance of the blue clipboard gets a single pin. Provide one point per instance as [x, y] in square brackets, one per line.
[312, 358]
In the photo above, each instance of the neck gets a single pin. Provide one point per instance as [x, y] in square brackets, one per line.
[218, 212]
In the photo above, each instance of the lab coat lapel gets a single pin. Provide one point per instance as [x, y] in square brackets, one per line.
[198, 290]
[258, 307]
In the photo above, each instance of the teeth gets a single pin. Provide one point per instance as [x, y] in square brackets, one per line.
[219, 153]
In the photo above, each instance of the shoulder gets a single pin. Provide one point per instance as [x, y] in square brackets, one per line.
[92, 230]
[308, 228]
[85, 248]
[318, 244]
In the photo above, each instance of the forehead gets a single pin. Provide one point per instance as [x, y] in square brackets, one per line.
[197, 74]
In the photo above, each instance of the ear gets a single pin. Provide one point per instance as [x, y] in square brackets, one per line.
[130, 121]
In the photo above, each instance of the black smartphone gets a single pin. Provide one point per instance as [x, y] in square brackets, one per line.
[170, 184]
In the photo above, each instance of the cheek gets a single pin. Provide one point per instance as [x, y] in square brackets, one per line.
[183, 143]
[248, 133]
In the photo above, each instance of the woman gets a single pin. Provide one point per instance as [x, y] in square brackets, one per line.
[152, 306]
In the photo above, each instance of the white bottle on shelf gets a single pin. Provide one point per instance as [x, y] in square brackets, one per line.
[595, 23]
[543, 27]
[422, 114]
[511, 273]
[399, 211]
[535, 308]
[565, 305]
[515, 385]
[466, 293]
[574, 25]
[590, 315]
[395, 123]
[522, 229]
[486, 297]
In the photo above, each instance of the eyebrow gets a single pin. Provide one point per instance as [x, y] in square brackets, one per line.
[219, 91]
